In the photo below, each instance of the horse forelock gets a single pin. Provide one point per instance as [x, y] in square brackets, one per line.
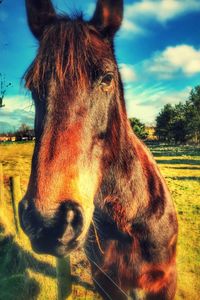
[71, 51]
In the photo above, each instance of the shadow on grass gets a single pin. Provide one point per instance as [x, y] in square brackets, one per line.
[175, 153]
[185, 168]
[173, 150]
[14, 262]
[178, 161]
[15, 282]
[185, 178]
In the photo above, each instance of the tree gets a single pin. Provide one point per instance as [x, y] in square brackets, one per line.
[138, 128]
[164, 122]
[3, 90]
[193, 114]
[24, 128]
[171, 124]
[24, 132]
[180, 123]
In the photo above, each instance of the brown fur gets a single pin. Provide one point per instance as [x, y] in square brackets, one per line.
[84, 46]
[86, 154]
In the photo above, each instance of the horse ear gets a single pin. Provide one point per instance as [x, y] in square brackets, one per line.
[108, 16]
[39, 13]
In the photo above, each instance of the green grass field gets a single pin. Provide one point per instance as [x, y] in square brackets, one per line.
[25, 275]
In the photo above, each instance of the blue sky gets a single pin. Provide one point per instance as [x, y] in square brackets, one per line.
[157, 48]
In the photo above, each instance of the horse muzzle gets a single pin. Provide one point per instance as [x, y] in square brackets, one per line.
[58, 232]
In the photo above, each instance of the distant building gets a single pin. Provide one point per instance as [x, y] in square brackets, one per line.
[27, 135]
[7, 138]
[18, 136]
[151, 130]
[13, 138]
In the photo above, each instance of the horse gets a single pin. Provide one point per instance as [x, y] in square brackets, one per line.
[93, 183]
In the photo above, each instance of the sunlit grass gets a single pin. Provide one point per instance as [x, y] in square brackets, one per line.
[25, 275]
[181, 168]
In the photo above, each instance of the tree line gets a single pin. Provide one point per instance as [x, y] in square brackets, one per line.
[180, 123]
[24, 132]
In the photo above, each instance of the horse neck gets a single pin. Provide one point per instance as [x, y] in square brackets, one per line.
[132, 185]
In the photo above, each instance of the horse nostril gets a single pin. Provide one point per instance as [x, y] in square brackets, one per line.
[70, 216]
[56, 234]
[73, 224]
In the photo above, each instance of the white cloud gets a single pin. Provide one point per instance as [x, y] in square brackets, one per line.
[17, 102]
[129, 28]
[181, 59]
[161, 10]
[138, 13]
[128, 73]
[141, 101]
[174, 97]
[17, 110]
[145, 102]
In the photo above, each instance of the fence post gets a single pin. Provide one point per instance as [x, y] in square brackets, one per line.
[16, 196]
[64, 280]
[1, 184]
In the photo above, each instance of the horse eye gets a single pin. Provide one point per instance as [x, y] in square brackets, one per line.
[107, 79]
[102, 135]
